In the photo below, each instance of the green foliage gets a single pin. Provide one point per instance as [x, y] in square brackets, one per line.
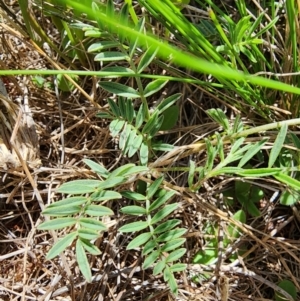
[125, 49]
[209, 254]
[81, 213]
[170, 115]
[134, 129]
[161, 243]
[289, 159]
[248, 195]
[238, 154]
[287, 286]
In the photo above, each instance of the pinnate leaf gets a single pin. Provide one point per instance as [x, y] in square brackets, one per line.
[139, 240]
[146, 59]
[98, 210]
[149, 247]
[79, 186]
[103, 172]
[62, 210]
[154, 187]
[88, 234]
[82, 261]
[110, 56]
[119, 89]
[72, 201]
[172, 244]
[58, 223]
[95, 47]
[168, 209]
[172, 284]
[166, 226]
[170, 235]
[175, 255]
[61, 245]
[169, 101]
[132, 195]
[134, 147]
[154, 87]
[151, 259]
[116, 126]
[159, 267]
[89, 247]
[110, 182]
[105, 195]
[144, 153]
[161, 200]
[92, 223]
[178, 267]
[133, 210]
[133, 227]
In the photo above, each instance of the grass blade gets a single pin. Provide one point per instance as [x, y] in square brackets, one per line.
[278, 144]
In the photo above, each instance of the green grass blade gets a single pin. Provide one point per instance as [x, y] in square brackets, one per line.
[278, 144]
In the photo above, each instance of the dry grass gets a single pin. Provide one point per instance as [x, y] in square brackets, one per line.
[68, 131]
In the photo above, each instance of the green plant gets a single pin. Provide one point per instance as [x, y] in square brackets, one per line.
[125, 50]
[287, 286]
[209, 254]
[247, 195]
[163, 240]
[82, 211]
[290, 158]
[135, 132]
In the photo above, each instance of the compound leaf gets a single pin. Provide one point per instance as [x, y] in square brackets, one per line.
[119, 89]
[172, 244]
[146, 59]
[97, 168]
[88, 234]
[154, 187]
[89, 247]
[133, 210]
[159, 267]
[166, 226]
[79, 186]
[175, 255]
[132, 195]
[62, 210]
[171, 235]
[61, 245]
[58, 223]
[161, 200]
[139, 240]
[82, 261]
[168, 209]
[151, 259]
[133, 227]
[110, 56]
[72, 201]
[91, 223]
[154, 87]
[98, 210]
[166, 103]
